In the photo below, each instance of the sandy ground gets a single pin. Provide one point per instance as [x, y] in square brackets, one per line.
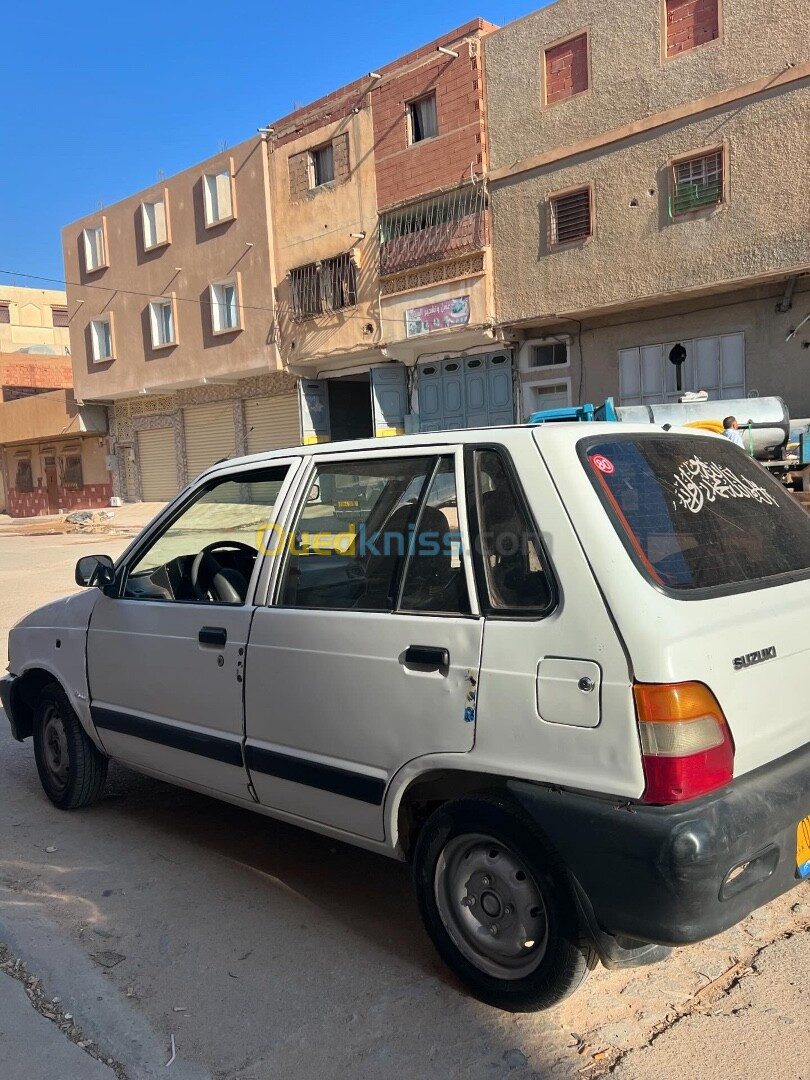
[270, 952]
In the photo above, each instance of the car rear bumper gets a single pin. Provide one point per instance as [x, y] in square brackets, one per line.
[661, 874]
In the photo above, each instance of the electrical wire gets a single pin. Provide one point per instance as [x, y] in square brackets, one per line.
[280, 307]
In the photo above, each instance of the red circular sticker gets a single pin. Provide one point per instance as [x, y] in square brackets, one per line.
[603, 464]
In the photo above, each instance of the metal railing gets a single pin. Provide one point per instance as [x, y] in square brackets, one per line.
[434, 230]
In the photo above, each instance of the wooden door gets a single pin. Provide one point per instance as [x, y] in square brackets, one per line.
[52, 486]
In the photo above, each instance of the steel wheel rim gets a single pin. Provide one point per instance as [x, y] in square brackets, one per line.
[55, 748]
[480, 883]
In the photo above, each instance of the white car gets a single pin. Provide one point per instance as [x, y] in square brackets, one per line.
[561, 669]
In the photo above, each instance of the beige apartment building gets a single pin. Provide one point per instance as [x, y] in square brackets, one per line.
[648, 189]
[172, 324]
[33, 320]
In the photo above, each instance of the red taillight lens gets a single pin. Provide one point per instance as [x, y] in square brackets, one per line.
[685, 741]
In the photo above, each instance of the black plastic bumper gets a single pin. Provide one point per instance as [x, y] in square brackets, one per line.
[660, 874]
[6, 685]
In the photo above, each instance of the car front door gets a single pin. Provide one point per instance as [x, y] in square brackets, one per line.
[166, 645]
[368, 654]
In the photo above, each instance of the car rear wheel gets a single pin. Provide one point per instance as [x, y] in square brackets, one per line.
[71, 769]
[497, 905]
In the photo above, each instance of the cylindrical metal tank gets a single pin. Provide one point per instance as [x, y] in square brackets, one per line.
[766, 418]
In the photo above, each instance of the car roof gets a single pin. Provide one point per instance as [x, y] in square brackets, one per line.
[559, 435]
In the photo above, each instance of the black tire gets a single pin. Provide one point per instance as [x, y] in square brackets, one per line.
[449, 857]
[71, 770]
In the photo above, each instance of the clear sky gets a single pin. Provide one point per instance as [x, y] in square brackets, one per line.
[97, 98]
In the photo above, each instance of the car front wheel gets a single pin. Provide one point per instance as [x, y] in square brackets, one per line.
[71, 769]
[497, 904]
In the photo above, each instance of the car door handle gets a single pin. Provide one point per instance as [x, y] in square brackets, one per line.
[427, 655]
[213, 635]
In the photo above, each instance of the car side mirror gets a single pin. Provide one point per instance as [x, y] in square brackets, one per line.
[95, 571]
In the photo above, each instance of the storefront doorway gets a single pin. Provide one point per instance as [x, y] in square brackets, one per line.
[350, 412]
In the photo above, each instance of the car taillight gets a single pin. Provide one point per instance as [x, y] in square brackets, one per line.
[685, 741]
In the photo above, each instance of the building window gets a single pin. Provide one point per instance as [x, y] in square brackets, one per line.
[101, 338]
[422, 119]
[95, 250]
[714, 364]
[162, 323]
[691, 23]
[321, 166]
[225, 313]
[5, 315]
[24, 480]
[155, 224]
[566, 69]
[60, 316]
[72, 478]
[552, 354]
[697, 182]
[571, 217]
[321, 288]
[218, 197]
[545, 395]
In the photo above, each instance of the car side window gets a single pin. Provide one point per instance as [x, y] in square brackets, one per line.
[351, 536]
[208, 553]
[434, 575]
[507, 547]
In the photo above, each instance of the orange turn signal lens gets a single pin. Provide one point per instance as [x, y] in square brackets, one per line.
[675, 701]
[686, 745]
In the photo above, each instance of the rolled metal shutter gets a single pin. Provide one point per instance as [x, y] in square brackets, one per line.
[158, 464]
[210, 435]
[271, 422]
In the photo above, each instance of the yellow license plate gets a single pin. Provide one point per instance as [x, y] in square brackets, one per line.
[803, 847]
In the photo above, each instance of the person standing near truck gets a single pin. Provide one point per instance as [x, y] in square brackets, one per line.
[731, 431]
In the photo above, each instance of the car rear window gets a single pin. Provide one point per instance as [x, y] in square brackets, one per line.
[697, 514]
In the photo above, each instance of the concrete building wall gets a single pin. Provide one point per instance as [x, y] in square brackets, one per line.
[457, 153]
[773, 366]
[27, 318]
[195, 257]
[631, 78]
[316, 223]
[30, 372]
[638, 249]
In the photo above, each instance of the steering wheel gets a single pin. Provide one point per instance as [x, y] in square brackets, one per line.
[224, 584]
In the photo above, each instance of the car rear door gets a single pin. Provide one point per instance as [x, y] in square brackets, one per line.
[367, 655]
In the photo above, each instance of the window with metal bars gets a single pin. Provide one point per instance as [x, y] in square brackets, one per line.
[5, 315]
[571, 217]
[697, 182]
[71, 467]
[321, 288]
[60, 316]
[24, 480]
[434, 230]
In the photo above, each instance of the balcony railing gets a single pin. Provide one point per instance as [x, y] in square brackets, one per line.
[435, 230]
